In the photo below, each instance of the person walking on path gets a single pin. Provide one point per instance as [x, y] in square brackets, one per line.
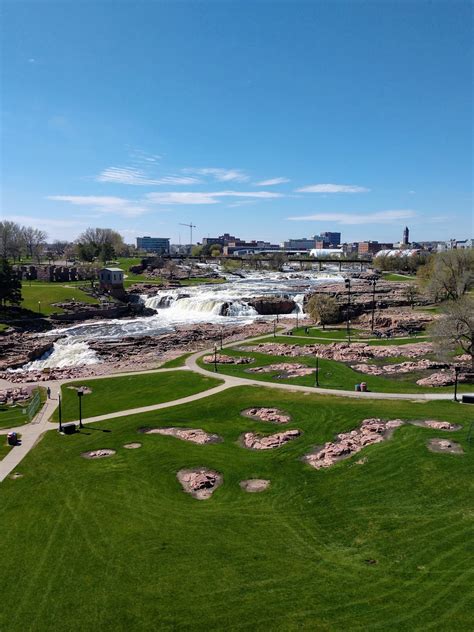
[48, 391]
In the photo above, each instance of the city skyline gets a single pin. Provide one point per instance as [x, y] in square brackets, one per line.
[267, 122]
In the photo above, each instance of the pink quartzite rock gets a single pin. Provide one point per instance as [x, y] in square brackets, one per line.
[271, 415]
[255, 441]
[194, 435]
[199, 482]
[287, 369]
[348, 443]
[224, 359]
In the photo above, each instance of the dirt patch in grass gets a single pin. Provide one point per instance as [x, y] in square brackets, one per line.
[270, 415]
[201, 482]
[194, 435]
[255, 485]
[98, 454]
[256, 441]
[132, 446]
[445, 445]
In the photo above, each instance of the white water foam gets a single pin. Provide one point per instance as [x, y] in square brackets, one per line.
[65, 353]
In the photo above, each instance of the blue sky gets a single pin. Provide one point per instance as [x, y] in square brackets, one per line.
[265, 119]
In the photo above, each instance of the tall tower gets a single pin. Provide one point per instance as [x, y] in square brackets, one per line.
[406, 236]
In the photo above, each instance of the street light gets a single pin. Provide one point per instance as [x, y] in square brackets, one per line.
[348, 316]
[317, 372]
[274, 328]
[80, 393]
[60, 413]
[456, 374]
[215, 358]
[221, 336]
[374, 281]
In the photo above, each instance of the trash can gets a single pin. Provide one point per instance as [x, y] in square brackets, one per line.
[357, 387]
[12, 438]
[363, 387]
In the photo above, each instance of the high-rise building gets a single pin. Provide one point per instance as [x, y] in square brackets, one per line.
[158, 245]
[333, 239]
[406, 236]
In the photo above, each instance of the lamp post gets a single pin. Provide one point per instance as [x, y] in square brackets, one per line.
[215, 358]
[80, 393]
[274, 328]
[374, 281]
[456, 374]
[316, 375]
[221, 336]
[60, 413]
[348, 316]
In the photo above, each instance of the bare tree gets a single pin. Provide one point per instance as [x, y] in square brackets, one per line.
[11, 242]
[455, 329]
[323, 308]
[411, 292]
[448, 275]
[34, 240]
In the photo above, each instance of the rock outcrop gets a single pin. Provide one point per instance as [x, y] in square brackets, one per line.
[348, 443]
[201, 483]
[268, 305]
[256, 441]
[220, 358]
[269, 415]
[194, 435]
[287, 370]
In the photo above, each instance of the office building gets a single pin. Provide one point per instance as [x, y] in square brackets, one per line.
[157, 245]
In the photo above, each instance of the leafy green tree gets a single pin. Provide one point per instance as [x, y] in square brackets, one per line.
[323, 309]
[10, 284]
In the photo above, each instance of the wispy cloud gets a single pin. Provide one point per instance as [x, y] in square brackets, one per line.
[332, 188]
[219, 174]
[179, 197]
[271, 182]
[137, 177]
[44, 222]
[381, 217]
[104, 204]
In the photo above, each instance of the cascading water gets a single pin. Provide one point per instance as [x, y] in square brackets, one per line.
[66, 352]
[222, 304]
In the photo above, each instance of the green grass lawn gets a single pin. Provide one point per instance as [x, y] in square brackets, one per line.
[176, 362]
[116, 544]
[332, 374]
[49, 293]
[133, 391]
[392, 276]
[11, 416]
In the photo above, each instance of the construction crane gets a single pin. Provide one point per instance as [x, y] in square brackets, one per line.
[190, 226]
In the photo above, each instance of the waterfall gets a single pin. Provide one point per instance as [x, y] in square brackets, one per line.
[65, 353]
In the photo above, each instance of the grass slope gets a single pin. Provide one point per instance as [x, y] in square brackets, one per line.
[49, 293]
[132, 391]
[332, 374]
[116, 544]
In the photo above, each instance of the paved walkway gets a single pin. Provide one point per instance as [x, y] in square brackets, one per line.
[31, 433]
